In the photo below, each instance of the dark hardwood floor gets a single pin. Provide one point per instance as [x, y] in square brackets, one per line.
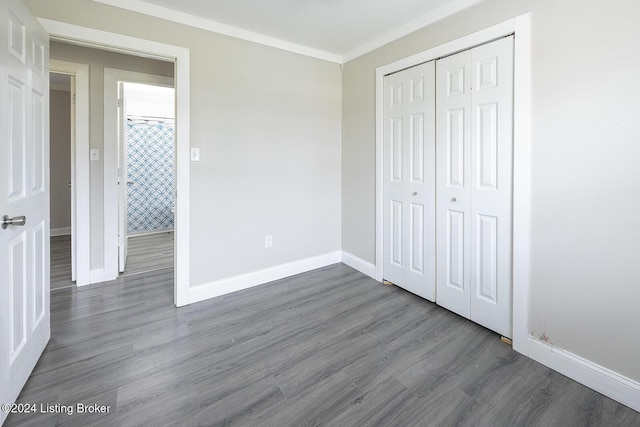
[329, 347]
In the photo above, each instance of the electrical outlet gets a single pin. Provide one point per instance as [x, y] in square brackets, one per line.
[195, 154]
[268, 241]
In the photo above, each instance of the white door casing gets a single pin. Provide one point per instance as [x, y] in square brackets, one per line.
[474, 98]
[122, 179]
[72, 183]
[409, 180]
[179, 54]
[24, 190]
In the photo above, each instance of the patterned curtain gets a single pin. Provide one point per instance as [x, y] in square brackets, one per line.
[150, 176]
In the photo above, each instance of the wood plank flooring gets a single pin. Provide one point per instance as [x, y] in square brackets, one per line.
[146, 253]
[149, 252]
[61, 262]
[329, 347]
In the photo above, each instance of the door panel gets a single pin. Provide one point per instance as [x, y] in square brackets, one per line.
[455, 147]
[409, 180]
[24, 174]
[417, 148]
[455, 243]
[453, 194]
[37, 105]
[16, 129]
[491, 210]
[416, 234]
[397, 243]
[474, 93]
[18, 294]
[487, 258]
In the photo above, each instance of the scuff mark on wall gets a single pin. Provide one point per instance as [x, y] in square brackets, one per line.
[544, 336]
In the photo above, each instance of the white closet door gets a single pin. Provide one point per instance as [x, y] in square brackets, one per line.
[474, 96]
[409, 180]
[453, 156]
[492, 181]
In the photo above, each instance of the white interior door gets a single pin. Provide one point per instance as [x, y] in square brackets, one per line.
[409, 180]
[122, 179]
[474, 118]
[24, 191]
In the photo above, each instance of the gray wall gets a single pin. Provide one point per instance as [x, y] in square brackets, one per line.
[97, 61]
[268, 124]
[585, 149]
[60, 158]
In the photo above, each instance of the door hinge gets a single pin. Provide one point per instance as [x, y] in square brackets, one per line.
[119, 102]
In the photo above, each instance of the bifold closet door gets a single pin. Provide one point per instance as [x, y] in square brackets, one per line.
[409, 180]
[474, 155]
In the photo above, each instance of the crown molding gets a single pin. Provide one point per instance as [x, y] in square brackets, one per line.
[165, 13]
[220, 28]
[448, 9]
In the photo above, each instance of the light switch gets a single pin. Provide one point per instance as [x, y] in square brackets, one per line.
[195, 154]
[94, 154]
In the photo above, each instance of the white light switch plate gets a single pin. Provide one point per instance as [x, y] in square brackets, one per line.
[94, 154]
[195, 154]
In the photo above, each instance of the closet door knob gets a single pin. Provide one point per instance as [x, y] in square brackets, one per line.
[453, 199]
[415, 193]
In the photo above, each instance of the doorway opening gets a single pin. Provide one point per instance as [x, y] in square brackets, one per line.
[179, 57]
[146, 177]
[60, 170]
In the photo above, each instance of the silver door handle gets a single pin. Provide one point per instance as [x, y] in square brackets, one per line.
[16, 220]
[453, 199]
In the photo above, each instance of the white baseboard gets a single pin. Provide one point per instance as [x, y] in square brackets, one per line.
[603, 380]
[244, 281]
[96, 276]
[64, 231]
[359, 264]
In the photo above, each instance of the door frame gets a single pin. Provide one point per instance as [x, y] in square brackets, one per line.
[521, 27]
[80, 227]
[112, 78]
[180, 55]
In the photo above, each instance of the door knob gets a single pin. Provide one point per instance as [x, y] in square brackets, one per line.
[453, 199]
[17, 220]
[415, 193]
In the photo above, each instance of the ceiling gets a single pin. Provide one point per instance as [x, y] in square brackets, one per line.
[335, 30]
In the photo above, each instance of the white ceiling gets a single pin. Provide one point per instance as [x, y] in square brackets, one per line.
[336, 30]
